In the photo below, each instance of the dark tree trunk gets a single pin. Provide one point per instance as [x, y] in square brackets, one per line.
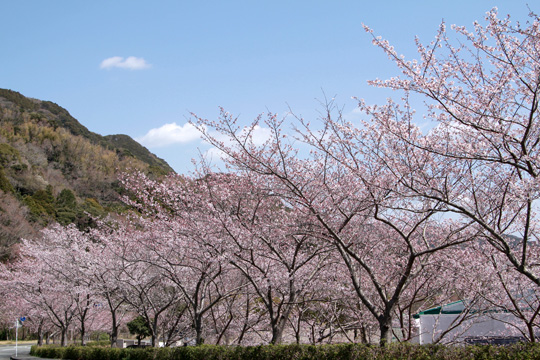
[530, 328]
[279, 326]
[40, 334]
[222, 333]
[155, 332]
[385, 327]
[246, 320]
[277, 331]
[114, 330]
[363, 335]
[63, 336]
[83, 313]
[199, 340]
[83, 334]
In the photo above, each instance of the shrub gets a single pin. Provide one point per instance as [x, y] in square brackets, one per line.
[102, 353]
[102, 342]
[73, 353]
[297, 352]
[50, 352]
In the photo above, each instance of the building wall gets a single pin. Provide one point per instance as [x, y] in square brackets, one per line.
[431, 327]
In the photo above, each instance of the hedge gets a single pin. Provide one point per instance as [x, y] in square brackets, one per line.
[525, 351]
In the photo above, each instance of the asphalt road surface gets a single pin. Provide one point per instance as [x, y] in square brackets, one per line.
[9, 350]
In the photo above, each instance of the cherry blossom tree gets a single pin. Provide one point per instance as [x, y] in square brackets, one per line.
[239, 319]
[481, 160]
[140, 284]
[404, 214]
[330, 311]
[228, 227]
[352, 201]
[34, 279]
[270, 243]
[104, 270]
[182, 240]
[65, 267]
[232, 318]
[15, 305]
[502, 289]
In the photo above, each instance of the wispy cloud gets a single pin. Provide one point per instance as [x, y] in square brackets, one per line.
[214, 156]
[130, 63]
[169, 134]
[259, 134]
[355, 114]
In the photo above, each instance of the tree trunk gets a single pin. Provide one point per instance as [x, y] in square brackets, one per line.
[222, 333]
[363, 335]
[246, 320]
[83, 313]
[40, 334]
[114, 330]
[279, 327]
[199, 340]
[155, 332]
[297, 331]
[385, 327]
[63, 337]
[532, 337]
[83, 333]
[277, 333]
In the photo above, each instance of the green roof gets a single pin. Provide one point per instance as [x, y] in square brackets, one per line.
[455, 307]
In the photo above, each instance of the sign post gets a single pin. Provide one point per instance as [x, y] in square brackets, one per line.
[18, 324]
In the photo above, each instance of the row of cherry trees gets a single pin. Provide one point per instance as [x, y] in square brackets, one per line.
[339, 229]
[227, 259]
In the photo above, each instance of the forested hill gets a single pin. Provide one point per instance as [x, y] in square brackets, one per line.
[52, 168]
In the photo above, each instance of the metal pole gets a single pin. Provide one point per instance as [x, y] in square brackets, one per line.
[16, 334]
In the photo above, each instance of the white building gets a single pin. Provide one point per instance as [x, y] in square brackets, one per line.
[455, 323]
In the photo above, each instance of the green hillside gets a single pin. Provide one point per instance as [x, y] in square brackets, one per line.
[126, 146]
[52, 168]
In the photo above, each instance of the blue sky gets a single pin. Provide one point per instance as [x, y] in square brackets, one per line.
[140, 67]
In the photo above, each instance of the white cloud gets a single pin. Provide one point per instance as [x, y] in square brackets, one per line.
[170, 134]
[131, 63]
[354, 115]
[214, 155]
[259, 134]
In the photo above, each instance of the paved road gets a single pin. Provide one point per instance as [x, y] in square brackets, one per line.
[9, 350]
